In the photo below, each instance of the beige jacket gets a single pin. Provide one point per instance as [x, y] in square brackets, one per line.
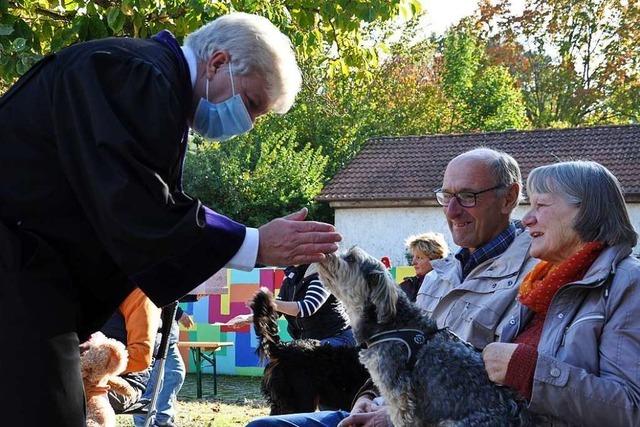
[475, 309]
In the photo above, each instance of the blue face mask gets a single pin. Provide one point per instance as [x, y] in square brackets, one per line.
[223, 120]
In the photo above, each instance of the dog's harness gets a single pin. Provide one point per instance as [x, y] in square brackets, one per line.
[413, 339]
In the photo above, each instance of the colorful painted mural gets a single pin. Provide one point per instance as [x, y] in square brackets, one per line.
[212, 311]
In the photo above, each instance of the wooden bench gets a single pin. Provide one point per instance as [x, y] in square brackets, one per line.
[204, 351]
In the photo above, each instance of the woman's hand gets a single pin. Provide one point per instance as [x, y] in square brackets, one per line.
[496, 358]
[239, 321]
[185, 320]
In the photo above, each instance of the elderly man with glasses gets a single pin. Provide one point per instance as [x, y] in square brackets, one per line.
[471, 291]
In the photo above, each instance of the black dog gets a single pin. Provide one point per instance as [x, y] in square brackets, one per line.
[303, 374]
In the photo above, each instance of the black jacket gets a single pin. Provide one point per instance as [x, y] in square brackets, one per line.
[328, 321]
[411, 285]
[91, 150]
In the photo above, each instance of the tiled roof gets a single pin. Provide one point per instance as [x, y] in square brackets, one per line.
[409, 168]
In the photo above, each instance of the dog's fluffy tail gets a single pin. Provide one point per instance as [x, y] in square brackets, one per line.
[265, 323]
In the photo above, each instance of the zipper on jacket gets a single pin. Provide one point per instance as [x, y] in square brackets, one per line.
[583, 319]
[592, 285]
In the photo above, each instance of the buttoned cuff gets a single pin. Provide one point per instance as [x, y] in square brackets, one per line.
[551, 371]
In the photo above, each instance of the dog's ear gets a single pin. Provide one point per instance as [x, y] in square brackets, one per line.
[383, 294]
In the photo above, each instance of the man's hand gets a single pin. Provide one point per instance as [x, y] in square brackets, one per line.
[364, 404]
[496, 358]
[377, 418]
[292, 240]
[185, 320]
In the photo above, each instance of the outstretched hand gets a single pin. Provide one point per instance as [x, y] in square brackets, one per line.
[239, 321]
[291, 240]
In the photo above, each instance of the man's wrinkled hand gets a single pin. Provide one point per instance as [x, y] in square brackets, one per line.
[364, 404]
[292, 241]
[378, 418]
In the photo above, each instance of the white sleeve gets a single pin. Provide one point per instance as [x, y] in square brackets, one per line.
[245, 258]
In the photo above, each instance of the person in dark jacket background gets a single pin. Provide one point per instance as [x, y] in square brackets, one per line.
[310, 309]
[423, 248]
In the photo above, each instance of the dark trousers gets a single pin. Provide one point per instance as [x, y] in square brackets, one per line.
[40, 380]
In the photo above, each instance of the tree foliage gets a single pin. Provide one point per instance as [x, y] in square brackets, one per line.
[576, 61]
[559, 63]
[329, 32]
[483, 96]
[256, 178]
[406, 95]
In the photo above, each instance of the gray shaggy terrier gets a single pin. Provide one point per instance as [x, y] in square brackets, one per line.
[427, 375]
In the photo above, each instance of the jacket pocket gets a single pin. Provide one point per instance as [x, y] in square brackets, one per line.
[474, 323]
[428, 298]
[581, 340]
[489, 285]
[590, 323]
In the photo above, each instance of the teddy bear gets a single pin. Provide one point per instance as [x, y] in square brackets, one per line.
[100, 364]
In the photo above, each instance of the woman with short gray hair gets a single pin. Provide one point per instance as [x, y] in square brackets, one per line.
[572, 346]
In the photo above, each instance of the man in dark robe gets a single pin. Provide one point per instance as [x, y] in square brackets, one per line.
[92, 142]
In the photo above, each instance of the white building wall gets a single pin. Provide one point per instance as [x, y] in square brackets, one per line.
[382, 231]
[634, 214]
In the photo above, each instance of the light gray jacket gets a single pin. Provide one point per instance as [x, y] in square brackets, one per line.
[588, 369]
[475, 309]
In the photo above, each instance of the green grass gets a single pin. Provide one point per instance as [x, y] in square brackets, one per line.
[238, 401]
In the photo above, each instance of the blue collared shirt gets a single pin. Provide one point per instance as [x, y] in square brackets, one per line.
[470, 260]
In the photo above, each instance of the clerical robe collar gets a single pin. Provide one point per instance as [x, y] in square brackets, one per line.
[190, 56]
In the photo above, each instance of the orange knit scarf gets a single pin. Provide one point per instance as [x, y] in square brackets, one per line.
[543, 281]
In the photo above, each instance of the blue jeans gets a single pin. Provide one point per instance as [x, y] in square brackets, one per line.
[343, 338]
[173, 379]
[309, 419]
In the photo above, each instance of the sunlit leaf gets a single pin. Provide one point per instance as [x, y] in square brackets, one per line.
[19, 44]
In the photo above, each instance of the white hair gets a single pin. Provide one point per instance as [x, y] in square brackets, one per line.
[255, 46]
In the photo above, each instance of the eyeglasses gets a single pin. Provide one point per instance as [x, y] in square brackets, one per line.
[467, 199]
